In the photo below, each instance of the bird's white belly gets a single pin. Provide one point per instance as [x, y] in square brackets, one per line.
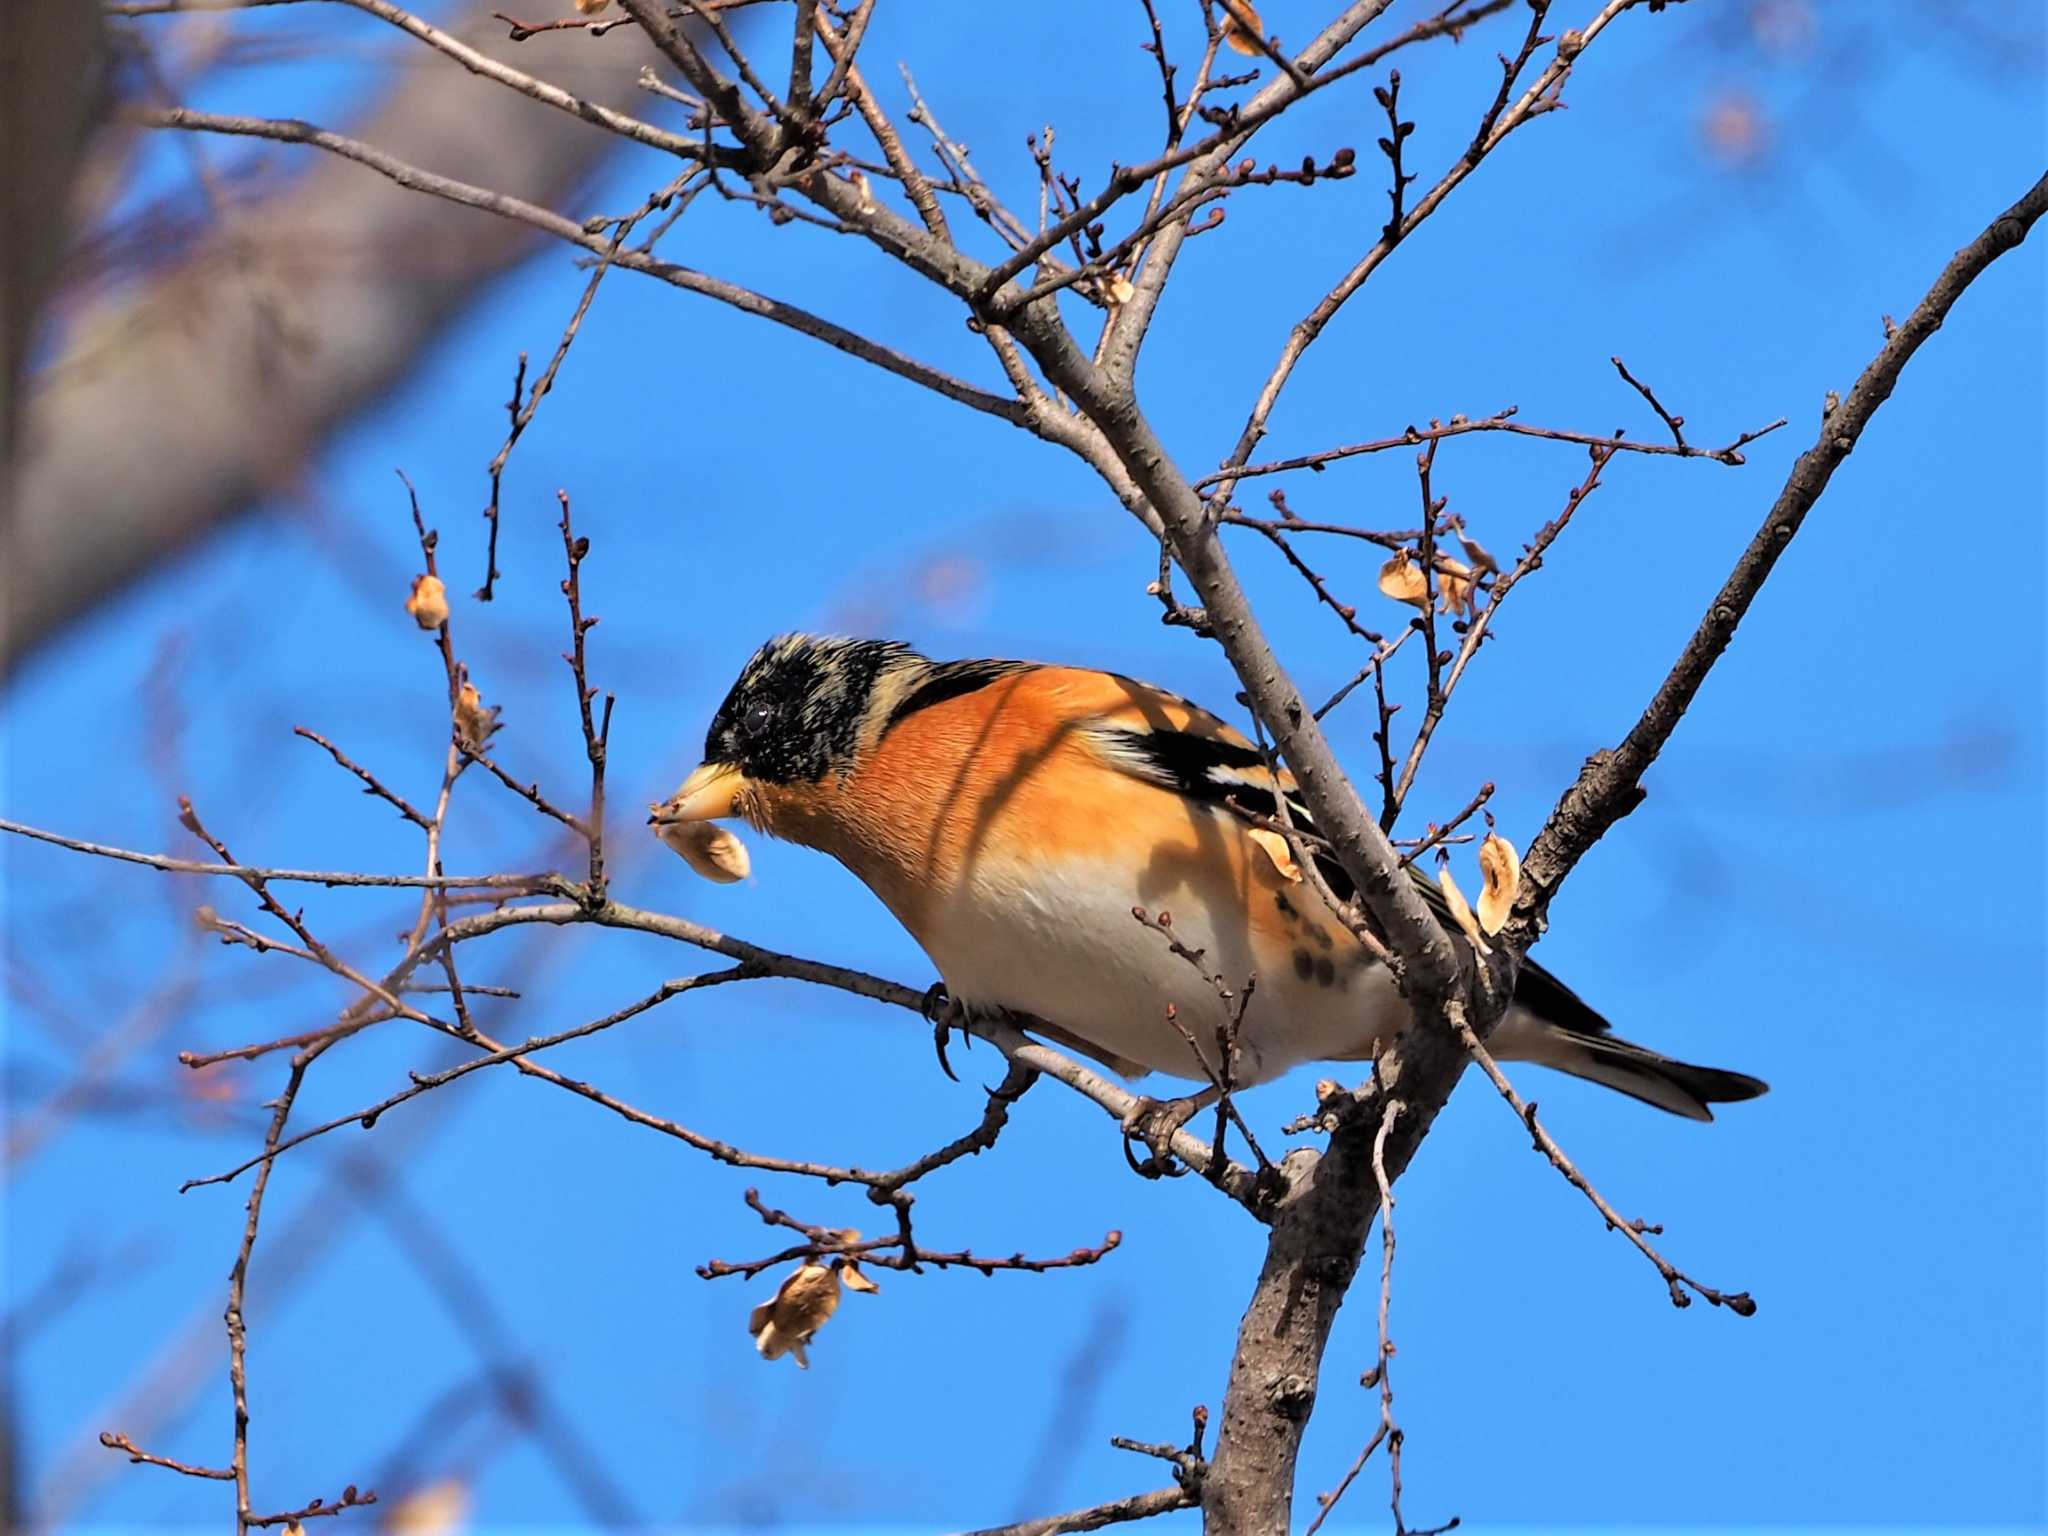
[1058, 940]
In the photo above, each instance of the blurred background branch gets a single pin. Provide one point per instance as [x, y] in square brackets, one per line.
[236, 345]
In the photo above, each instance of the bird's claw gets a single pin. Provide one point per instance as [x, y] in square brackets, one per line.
[1154, 1122]
[946, 1015]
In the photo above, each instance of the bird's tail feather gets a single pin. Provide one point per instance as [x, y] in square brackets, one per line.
[1677, 1086]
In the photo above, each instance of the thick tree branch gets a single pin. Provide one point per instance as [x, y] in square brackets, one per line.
[1311, 1259]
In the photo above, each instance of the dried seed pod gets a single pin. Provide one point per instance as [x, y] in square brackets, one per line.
[1461, 911]
[1502, 867]
[801, 1306]
[1241, 26]
[474, 722]
[713, 851]
[1402, 580]
[428, 603]
[1453, 586]
[854, 1278]
[439, 1509]
[1274, 846]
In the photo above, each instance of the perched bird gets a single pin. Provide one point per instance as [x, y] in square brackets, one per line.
[1011, 815]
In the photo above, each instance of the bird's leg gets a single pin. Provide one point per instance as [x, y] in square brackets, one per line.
[1153, 1121]
[947, 1013]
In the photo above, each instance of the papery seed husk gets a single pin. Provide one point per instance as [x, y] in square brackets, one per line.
[713, 851]
[1502, 867]
[1461, 910]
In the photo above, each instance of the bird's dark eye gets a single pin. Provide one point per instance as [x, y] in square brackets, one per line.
[758, 718]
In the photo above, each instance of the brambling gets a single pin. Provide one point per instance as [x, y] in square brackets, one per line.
[1011, 815]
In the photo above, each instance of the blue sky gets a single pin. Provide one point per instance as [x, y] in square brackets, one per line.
[1836, 881]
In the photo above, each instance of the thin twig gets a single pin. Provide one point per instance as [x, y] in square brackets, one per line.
[1676, 1280]
[238, 1279]
[1372, 668]
[246, 872]
[372, 785]
[596, 736]
[499, 72]
[1016, 1082]
[828, 1242]
[135, 1453]
[368, 1116]
[1675, 423]
[1500, 120]
[349, 1499]
[1220, 1074]
[1477, 631]
[1387, 1430]
[530, 793]
[1346, 613]
[1499, 421]
[596, 26]
[1434, 696]
[1440, 834]
[522, 414]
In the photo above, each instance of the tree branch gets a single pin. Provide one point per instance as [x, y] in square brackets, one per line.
[328, 877]
[1609, 788]
[291, 131]
[1140, 1506]
[1500, 121]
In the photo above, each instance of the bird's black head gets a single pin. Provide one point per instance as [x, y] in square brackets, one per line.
[795, 714]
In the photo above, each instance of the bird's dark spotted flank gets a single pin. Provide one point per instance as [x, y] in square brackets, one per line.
[1205, 770]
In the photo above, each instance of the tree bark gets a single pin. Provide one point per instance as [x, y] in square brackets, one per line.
[52, 84]
[1311, 1259]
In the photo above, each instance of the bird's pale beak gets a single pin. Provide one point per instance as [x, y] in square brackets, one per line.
[706, 795]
